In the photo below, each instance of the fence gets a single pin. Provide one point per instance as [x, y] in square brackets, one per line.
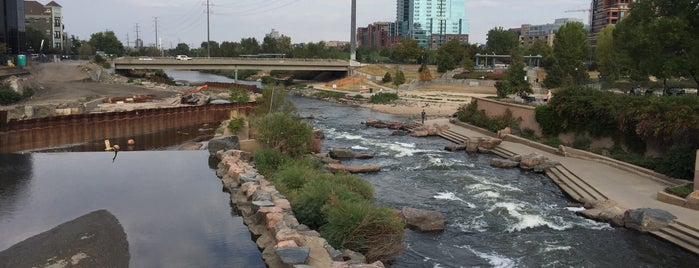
[22, 135]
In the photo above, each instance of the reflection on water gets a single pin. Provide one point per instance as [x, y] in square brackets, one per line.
[170, 204]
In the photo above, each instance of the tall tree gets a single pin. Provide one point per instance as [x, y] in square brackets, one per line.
[107, 42]
[501, 41]
[659, 37]
[540, 47]
[34, 40]
[407, 51]
[450, 56]
[570, 52]
[249, 46]
[607, 59]
[230, 49]
[181, 49]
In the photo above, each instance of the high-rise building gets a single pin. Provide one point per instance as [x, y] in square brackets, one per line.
[606, 12]
[48, 19]
[12, 29]
[432, 22]
[529, 34]
[377, 35]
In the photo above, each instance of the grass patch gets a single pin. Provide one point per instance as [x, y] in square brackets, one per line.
[383, 98]
[681, 191]
[322, 94]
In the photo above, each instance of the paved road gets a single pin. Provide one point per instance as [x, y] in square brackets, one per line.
[628, 189]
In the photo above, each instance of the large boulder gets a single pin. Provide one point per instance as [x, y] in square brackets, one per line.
[529, 161]
[490, 143]
[223, 144]
[472, 145]
[455, 147]
[503, 163]
[293, 255]
[693, 200]
[647, 219]
[423, 220]
[338, 153]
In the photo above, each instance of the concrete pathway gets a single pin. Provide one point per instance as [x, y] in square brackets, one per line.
[628, 189]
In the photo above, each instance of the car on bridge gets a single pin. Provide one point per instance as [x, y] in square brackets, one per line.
[182, 57]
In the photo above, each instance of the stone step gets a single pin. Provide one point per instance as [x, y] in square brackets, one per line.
[453, 136]
[681, 235]
[564, 185]
[502, 152]
[581, 189]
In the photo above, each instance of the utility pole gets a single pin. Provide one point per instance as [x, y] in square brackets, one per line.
[156, 34]
[208, 31]
[137, 38]
[353, 33]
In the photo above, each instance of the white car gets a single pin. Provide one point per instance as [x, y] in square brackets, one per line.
[182, 57]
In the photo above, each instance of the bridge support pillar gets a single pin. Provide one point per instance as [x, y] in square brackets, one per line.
[235, 78]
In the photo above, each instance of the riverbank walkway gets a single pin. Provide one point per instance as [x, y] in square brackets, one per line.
[588, 179]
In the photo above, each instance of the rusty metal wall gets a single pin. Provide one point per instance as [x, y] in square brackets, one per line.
[23, 135]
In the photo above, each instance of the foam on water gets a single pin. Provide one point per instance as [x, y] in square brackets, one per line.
[494, 259]
[488, 195]
[452, 196]
[527, 220]
[575, 209]
[474, 225]
[487, 184]
[357, 147]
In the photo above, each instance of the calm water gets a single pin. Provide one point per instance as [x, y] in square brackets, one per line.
[169, 203]
[495, 217]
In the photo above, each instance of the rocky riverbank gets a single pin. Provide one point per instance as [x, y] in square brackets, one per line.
[284, 242]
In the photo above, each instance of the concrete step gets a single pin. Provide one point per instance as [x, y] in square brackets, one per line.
[563, 183]
[577, 185]
[502, 152]
[453, 136]
[682, 235]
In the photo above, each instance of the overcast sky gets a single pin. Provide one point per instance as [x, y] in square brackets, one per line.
[184, 21]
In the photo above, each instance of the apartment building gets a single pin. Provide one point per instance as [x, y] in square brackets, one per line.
[432, 22]
[377, 35]
[606, 12]
[48, 19]
[529, 34]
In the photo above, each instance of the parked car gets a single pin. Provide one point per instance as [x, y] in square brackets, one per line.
[674, 91]
[182, 57]
[145, 58]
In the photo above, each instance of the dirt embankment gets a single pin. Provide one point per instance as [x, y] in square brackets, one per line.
[71, 84]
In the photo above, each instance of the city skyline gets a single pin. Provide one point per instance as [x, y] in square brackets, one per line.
[184, 21]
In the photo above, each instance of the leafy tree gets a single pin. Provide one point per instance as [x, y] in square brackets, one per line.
[540, 47]
[517, 73]
[407, 51]
[107, 42]
[274, 100]
[181, 49]
[659, 37]
[570, 52]
[230, 49]
[502, 41]
[450, 56]
[606, 54]
[75, 45]
[214, 52]
[34, 38]
[277, 45]
[85, 49]
[249, 46]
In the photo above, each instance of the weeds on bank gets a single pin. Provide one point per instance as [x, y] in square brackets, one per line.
[340, 205]
[383, 98]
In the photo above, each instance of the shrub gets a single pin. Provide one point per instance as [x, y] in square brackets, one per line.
[267, 161]
[581, 142]
[469, 113]
[284, 133]
[236, 124]
[9, 96]
[359, 96]
[239, 95]
[383, 98]
[553, 142]
[322, 94]
[377, 232]
[504, 88]
[28, 92]
[387, 78]
[315, 194]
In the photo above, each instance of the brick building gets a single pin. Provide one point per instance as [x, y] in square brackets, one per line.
[606, 12]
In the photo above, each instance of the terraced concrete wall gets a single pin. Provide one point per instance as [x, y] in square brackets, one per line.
[496, 108]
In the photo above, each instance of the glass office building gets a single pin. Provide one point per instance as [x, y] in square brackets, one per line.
[12, 29]
[426, 20]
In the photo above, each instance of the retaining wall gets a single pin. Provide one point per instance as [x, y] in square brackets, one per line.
[23, 135]
[497, 108]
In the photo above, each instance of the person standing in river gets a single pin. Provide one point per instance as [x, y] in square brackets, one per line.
[423, 116]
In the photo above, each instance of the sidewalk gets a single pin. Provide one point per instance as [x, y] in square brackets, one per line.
[628, 189]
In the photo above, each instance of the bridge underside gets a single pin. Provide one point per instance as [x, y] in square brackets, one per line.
[234, 64]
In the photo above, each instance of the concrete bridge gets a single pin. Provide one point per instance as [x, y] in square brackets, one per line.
[266, 64]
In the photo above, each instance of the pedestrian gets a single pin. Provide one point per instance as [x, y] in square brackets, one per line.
[548, 96]
[423, 116]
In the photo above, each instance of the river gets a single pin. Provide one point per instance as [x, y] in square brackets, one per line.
[495, 217]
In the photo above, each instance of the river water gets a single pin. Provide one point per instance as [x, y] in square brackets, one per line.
[494, 217]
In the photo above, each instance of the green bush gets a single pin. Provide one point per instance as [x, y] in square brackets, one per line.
[383, 98]
[308, 207]
[9, 96]
[677, 162]
[239, 95]
[504, 88]
[377, 232]
[236, 124]
[267, 161]
[359, 96]
[284, 133]
[387, 78]
[581, 142]
[681, 191]
[553, 142]
[469, 113]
